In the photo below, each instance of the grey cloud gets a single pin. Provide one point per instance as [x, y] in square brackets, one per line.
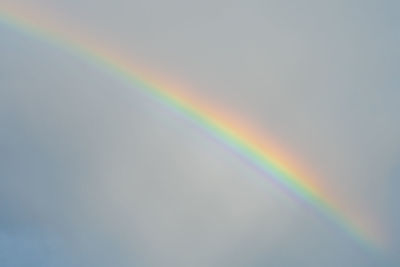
[92, 163]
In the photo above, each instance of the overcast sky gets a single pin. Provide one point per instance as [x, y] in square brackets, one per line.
[93, 173]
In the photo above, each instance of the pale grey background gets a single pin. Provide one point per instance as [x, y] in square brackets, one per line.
[94, 174]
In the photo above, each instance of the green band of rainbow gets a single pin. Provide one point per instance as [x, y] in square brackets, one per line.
[242, 141]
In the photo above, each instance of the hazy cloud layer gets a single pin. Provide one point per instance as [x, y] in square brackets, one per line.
[92, 173]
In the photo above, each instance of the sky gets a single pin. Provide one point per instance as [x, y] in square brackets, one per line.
[95, 173]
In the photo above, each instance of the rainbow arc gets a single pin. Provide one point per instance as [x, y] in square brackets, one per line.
[248, 144]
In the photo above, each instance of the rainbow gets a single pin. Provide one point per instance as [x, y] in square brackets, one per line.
[238, 137]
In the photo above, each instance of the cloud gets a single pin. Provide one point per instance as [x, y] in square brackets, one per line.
[105, 176]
